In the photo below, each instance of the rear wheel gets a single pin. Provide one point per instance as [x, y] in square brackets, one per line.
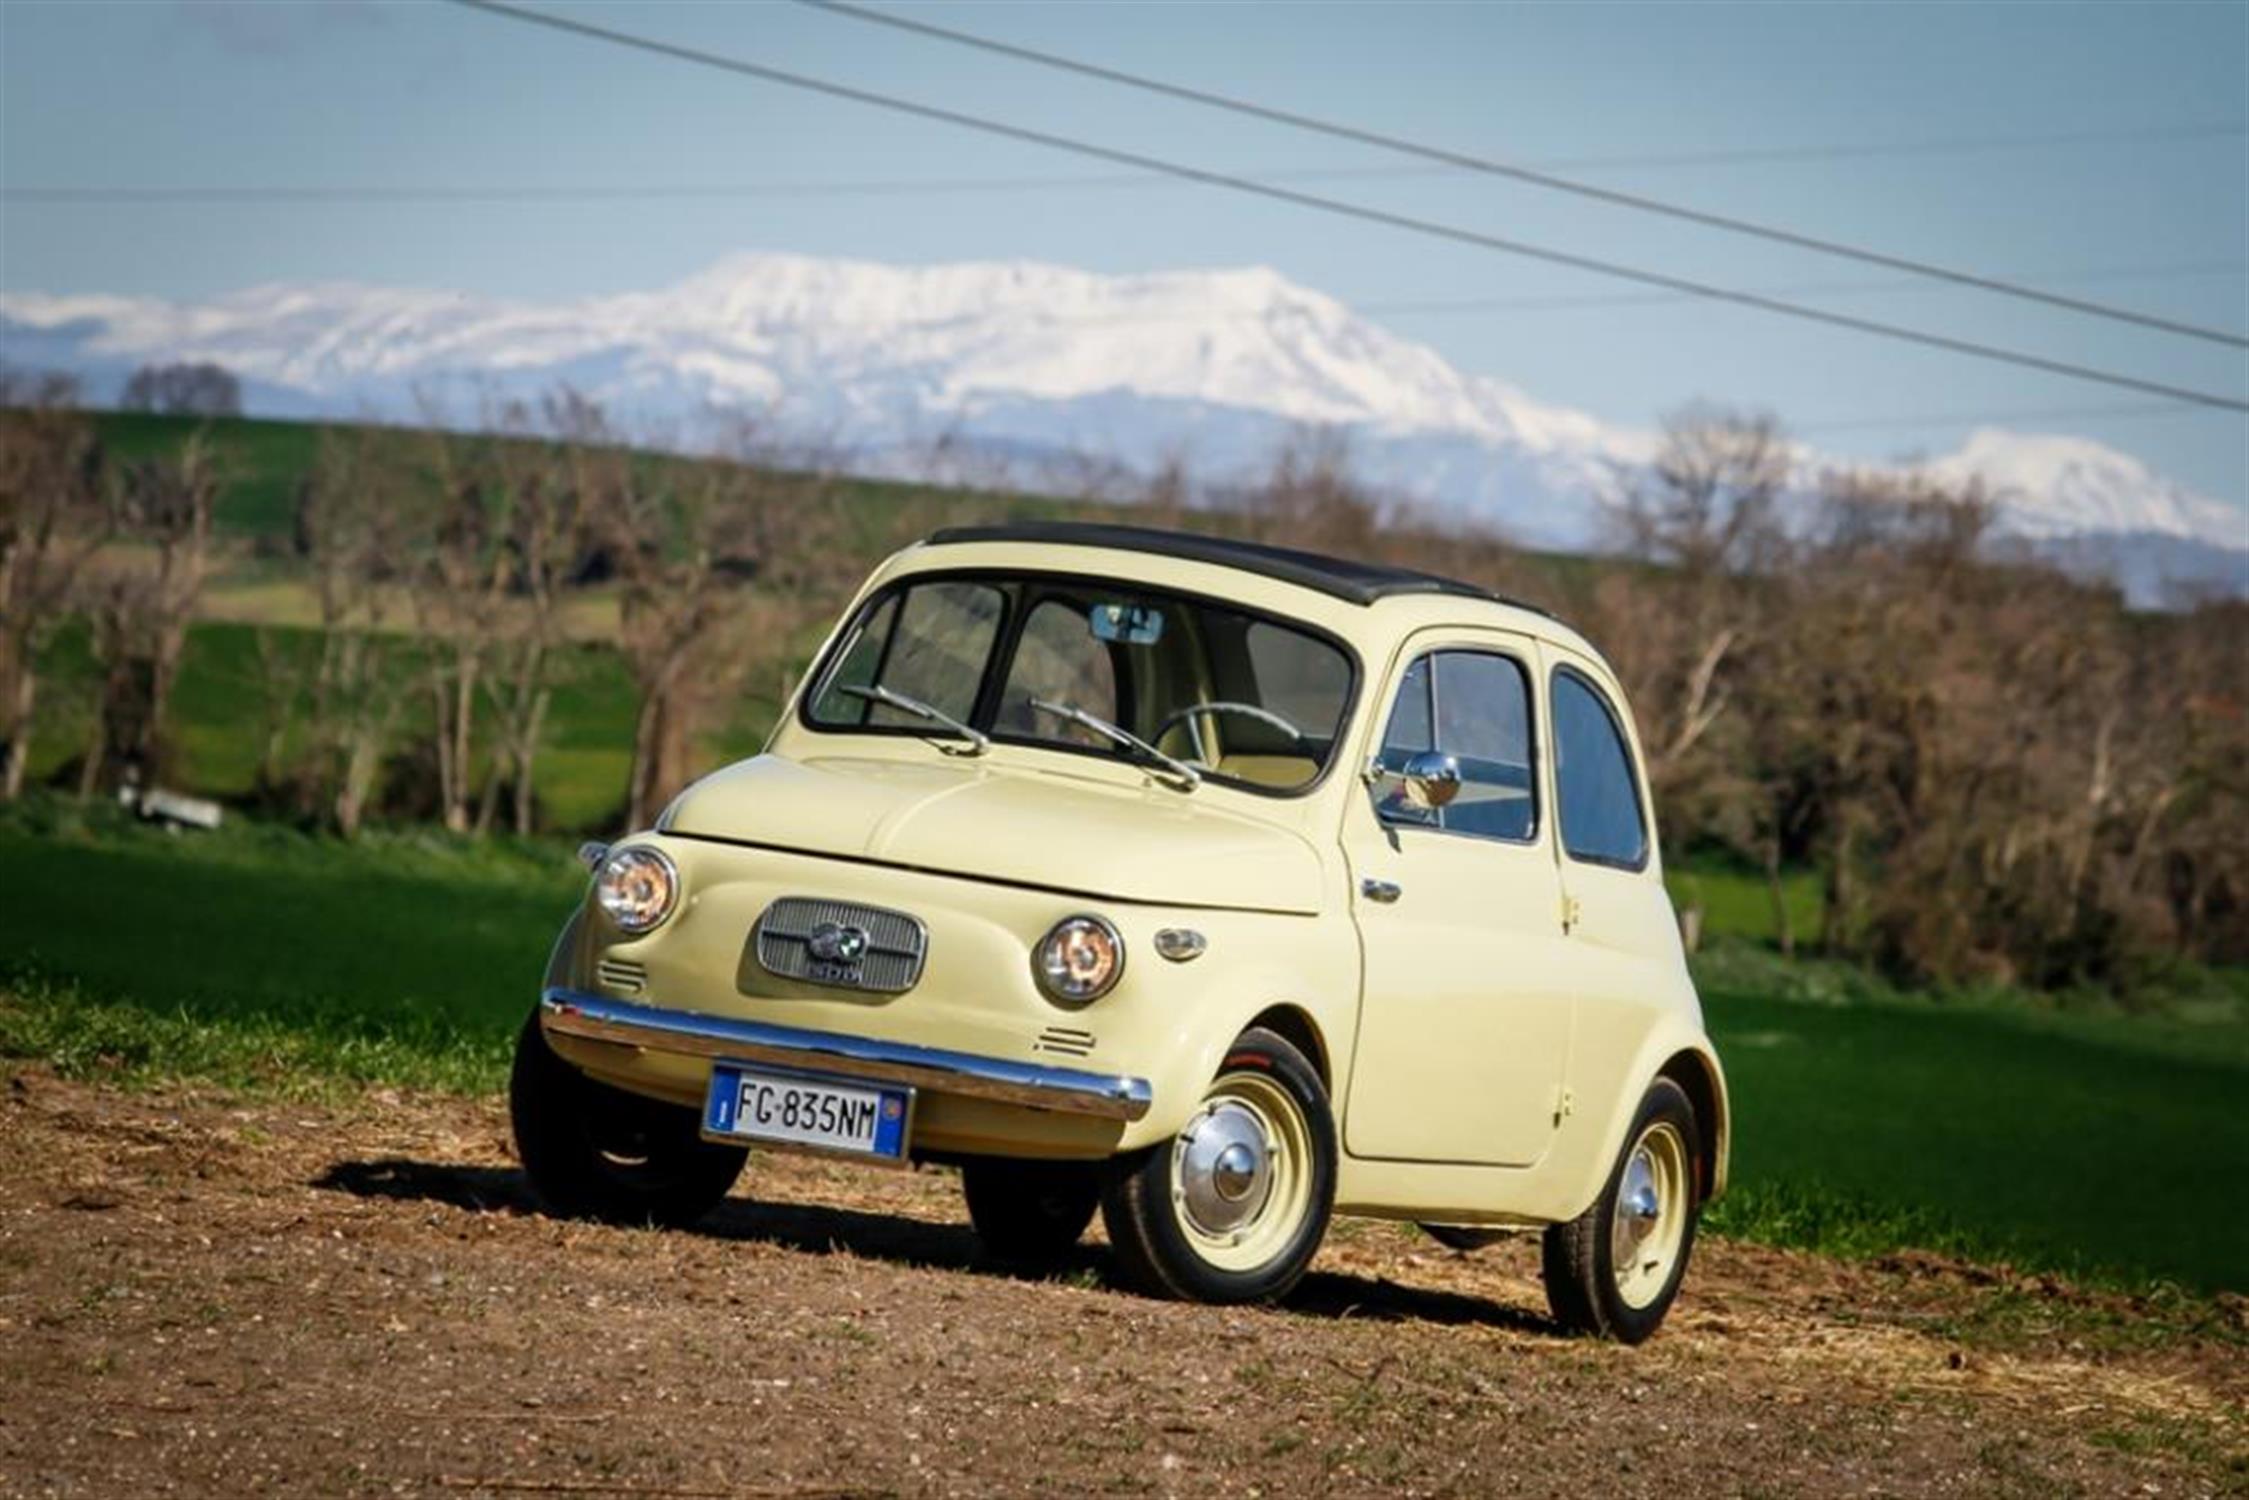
[1030, 1211]
[596, 1152]
[1614, 1270]
[1233, 1208]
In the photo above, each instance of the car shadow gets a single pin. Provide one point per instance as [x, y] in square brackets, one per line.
[821, 1230]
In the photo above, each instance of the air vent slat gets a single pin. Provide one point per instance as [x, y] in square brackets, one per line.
[622, 975]
[1064, 1039]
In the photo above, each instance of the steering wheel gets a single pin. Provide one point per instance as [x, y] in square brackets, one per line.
[1223, 706]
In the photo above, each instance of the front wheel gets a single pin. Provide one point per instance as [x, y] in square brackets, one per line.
[1613, 1270]
[596, 1152]
[1232, 1208]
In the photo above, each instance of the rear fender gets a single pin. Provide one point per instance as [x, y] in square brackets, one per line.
[1667, 1048]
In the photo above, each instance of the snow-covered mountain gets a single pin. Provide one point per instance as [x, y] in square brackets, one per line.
[883, 365]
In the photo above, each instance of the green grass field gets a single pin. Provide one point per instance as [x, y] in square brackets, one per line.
[2064, 1145]
[261, 463]
[413, 950]
[1736, 903]
[1868, 1121]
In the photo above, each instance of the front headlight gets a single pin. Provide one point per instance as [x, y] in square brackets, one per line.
[1079, 961]
[636, 888]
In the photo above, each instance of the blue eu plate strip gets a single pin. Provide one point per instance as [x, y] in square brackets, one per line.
[722, 1104]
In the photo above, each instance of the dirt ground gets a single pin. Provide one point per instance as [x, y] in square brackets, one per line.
[205, 1297]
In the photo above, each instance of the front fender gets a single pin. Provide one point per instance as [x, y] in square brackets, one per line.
[1214, 1016]
[565, 970]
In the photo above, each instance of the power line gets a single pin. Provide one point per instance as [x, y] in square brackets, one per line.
[1616, 196]
[927, 186]
[1458, 235]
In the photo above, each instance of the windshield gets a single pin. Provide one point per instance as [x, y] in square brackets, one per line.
[1240, 697]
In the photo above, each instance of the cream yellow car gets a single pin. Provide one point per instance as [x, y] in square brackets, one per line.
[1214, 886]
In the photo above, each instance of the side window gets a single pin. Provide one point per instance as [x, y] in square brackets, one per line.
[1475, 707]
[1057, 660]
[1600, 796]
[1484, 722]
[1410, 730]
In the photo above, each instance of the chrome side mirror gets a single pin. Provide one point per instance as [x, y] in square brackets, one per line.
[1432, 779]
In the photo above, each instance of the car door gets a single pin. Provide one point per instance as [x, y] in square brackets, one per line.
[1464, 1021]
[1619, 917]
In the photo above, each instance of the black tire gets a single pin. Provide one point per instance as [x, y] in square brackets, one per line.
[596, 1152]
[1030, 1212]
[1160, 1250]
[1578, 1260]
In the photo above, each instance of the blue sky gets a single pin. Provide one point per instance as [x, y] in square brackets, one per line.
[426, 95]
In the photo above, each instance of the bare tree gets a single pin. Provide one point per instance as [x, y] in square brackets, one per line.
[1706, 505]
[354, 521]
[705, 559]
[1683, 621]
[52, 520]
[1309, 498]
[142, 608]
[458, 589]
[544, 539]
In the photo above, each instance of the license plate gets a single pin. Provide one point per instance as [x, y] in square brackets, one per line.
[799, 1109]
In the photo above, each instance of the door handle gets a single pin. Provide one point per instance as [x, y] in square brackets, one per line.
[1384, 891]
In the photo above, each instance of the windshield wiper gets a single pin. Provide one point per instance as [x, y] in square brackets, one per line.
[1188, 777]
[978, 740]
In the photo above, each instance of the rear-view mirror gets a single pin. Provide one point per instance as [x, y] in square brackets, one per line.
[1127, 624]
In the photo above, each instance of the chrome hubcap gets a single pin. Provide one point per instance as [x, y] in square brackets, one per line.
[1639, 1207]
[1647, 1227]
[1236, 1172]
[1225, 1167]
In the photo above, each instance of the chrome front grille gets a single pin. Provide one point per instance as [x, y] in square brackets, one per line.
[841, 943]
[622, 975]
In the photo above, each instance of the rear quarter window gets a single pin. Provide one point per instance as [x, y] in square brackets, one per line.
[1602, 820]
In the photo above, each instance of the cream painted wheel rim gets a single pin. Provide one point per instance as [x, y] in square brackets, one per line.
[1648, 1221]
[1241, 1173]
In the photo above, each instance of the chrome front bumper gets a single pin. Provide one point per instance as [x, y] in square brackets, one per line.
[689, 1033]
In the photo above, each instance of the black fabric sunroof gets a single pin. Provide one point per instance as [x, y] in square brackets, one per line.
[1357, 582]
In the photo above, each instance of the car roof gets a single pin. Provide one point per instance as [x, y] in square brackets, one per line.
[1339, 578]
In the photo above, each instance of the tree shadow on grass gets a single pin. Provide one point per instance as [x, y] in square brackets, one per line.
[821, 1230]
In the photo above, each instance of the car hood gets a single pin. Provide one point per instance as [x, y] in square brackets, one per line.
[1022, 827]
